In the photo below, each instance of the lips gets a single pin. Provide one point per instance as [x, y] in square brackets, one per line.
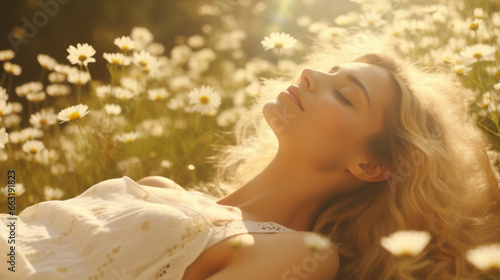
[294, 90]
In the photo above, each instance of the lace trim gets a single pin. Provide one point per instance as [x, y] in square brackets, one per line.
[232, 228]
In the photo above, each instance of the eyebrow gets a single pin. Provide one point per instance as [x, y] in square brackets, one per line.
[356, 82]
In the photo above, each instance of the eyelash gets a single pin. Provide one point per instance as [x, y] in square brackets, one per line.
[342, 98]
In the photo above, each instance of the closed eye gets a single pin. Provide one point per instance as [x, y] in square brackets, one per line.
[342, 98]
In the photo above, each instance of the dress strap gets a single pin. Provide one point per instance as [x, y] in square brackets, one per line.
[232, 228]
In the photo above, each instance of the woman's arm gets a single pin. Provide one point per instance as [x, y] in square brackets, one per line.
[284, 256]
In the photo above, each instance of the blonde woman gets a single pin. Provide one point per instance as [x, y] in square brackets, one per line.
[354, 150]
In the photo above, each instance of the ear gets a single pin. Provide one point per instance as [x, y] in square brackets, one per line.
[370, 171]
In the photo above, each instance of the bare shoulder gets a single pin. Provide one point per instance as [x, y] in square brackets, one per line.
[287, 256]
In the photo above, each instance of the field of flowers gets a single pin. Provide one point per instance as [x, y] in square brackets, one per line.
[162, 111]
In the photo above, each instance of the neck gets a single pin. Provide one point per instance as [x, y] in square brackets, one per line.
[285, 192]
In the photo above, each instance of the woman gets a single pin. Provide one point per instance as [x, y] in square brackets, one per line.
[362, 149]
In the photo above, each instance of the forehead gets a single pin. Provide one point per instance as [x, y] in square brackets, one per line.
[378, 81]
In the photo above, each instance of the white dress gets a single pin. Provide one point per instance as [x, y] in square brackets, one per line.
[115, 230]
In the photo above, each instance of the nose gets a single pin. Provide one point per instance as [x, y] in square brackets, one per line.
[308, 79]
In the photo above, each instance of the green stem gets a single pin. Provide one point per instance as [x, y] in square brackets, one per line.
[42, 75]
[81, 133]
[491, 131]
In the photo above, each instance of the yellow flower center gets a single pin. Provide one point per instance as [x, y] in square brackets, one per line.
[1, 113]
[82, 57]
[204, 100]
[74, 116]
[115, 61]
[143, 63]
[459, 70]
[497, 73]
[478, 55]
[278, 45]
[33, 150]
[43, 121]
[474, 26]
[125, 48]
[128, 140]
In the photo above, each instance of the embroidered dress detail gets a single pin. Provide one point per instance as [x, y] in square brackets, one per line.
[115, 230]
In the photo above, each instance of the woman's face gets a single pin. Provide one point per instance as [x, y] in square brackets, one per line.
[328, 118]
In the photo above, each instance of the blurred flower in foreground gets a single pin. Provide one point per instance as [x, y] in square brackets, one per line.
[112, 109]
[316, 242]
[278, 41]
[52, 193]
[479, 52]
[127, 137]
[204, 99]
[5, 108]
[43, 118]
[7, 55]
[19, 190]
[33, 146]
[81, 55]
[486, 257]
[117, 58]
[73, 113]
[406, 242]
[4, 137]
[12, 68]
[46, 61]
[125, 43]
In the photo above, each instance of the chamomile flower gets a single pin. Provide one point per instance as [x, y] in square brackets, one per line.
[31, 133]
[36, 97]
[56, 77]
[112, 109]
[497, 87]
[143, 59]
[117, 58]
[479, 52]
[5, 108]
[278, 40]
[141, 35]
[461, 69]
[157, 94]
[73, 113]
[52, 193]
[81, 55]
[30, 87]
[6, 55]
[78, 77]
[46, 61]
[12, 68]
[43, 118]
[103, 91]
[486, 257]
[58, 90]
[125, 43]
[406, 242]
[316, 242]
[3, 94]
[33, 146]
[204, 99]
[127, 137]
[474, 25]
[19, 190]
[4, 137]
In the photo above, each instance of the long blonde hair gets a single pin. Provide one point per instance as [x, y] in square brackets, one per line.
[441, 179]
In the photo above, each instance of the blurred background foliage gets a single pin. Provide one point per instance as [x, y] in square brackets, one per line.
[180, 148]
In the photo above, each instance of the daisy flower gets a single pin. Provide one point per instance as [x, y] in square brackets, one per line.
[278, 41]
[19, 190]
[78, 77]
[141, 35]
[4, 137]
[56, 77]
[58, 90]
[30, 87]
[12, 68]
[461, 69]
[43, 118]
[204, 99]
[52, 193]
[103, 91]
[475, 24]
[33, 146]
[497, 87]
[7, 55]
[117, 58]
[46, 61]
[3, 94]
[406, 242]
[5, 108]
[486, 257]
[81, 55]
[478, 13]
[157, 94]
[316, 242]
[73, 113]
[36, 97]
[479, 52]
[143, 59]
[123, 93]
[31, 133]
[112, 109]
[127, 137]
[125, 43]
